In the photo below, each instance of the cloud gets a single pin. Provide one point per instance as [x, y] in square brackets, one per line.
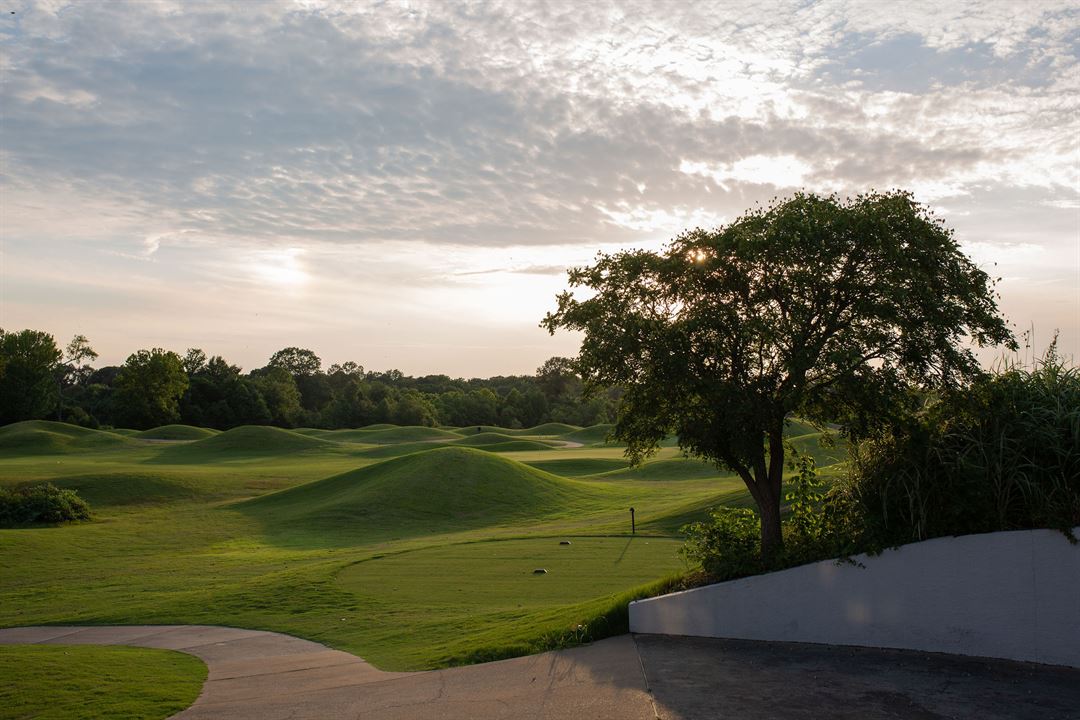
[467, 131]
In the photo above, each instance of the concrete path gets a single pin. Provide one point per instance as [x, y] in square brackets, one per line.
[268, 676]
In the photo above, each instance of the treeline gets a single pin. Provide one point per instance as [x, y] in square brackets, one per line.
[40, 380]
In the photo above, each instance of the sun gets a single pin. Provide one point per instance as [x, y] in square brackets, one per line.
[281, 268]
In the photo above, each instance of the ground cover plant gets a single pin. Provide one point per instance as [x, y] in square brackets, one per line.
[302, 533]
[59, 682]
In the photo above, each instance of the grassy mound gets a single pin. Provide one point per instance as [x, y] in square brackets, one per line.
[810, 444]
[383, 452]
[176, 432]
[44, 437]
[516, 445]
[661, 470]
[507, 445]
[795, 427]
[126, 488]
[444, 488]
[403, 434]
[592, 435]
[579, 467]
[547, 429]
[312, 432]
[245, 441]
[484, 440]
[551, 428]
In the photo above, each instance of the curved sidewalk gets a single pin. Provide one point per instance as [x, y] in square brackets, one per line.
[260, 675]
[269, 676]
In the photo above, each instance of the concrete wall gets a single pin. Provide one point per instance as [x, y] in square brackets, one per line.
[1009, 595]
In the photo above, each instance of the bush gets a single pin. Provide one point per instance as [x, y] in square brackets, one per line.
[40, 504]
[1003, 454]
[728, 545]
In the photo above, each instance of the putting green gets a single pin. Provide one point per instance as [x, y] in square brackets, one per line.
[499, 575]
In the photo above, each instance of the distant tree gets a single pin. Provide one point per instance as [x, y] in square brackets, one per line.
[412, 408]
[279, 392]
[316, 392]
[348, 368]
[219, 397]
[149, 387]
[352, 405]
[558, 378]
[73, 370]
[829, 309]
[28, 367]
[194, 361]
[298, 362]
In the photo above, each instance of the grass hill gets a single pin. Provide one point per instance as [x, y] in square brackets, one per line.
[592, 435]
[547, 429]
[395, 434]
[245, 441]
[551, 428]
[425, 492]
[811, 444]
[45, 437]
[486, 439]
[664, 470]
[509, 444]
[127, 488]
[578, 467]
[176, 432]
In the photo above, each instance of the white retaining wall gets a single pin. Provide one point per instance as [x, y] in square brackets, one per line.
[1009, 595]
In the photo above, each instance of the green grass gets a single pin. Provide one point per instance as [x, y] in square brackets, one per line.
[392, 435]
[484, 439]
[244, 442]
[176, 432]
[473, 595]
[309, 532]
[44, 437]
[62, 682]
[433, 491]
[592, 435]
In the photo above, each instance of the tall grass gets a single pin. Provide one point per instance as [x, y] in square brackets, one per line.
[1003, 454]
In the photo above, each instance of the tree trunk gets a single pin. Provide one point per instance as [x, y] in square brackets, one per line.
[772, 539]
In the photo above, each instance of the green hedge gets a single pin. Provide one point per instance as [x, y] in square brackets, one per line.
[40, 504]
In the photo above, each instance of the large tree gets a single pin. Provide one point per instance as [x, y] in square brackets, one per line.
[826, 308]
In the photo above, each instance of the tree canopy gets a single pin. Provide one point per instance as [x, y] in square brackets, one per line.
[28, 364]
[149, 387]
[826, 308]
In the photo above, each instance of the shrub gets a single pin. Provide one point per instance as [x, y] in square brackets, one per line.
[727, 545]
[1002, 455]
[40, 504]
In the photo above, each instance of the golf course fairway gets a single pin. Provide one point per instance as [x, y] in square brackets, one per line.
[413, 560]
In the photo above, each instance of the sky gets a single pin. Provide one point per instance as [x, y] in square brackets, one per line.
[403, 184]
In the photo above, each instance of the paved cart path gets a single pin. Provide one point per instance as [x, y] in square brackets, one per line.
[261, 675]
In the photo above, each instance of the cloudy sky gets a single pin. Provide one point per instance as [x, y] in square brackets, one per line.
[404, 184]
